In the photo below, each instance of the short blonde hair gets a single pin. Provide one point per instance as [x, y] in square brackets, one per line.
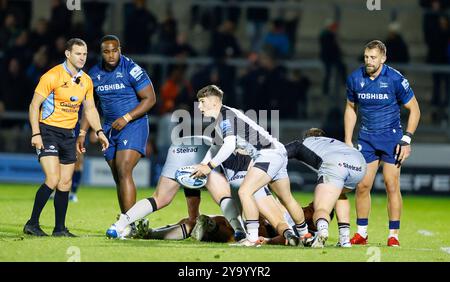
[377, 44]
[210, 90]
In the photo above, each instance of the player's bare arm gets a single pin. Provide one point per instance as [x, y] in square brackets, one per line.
[84, 127]
[36, 102]
[404, 150]
[350, 117]
[92, 116]
[228, 147]
[147, 99]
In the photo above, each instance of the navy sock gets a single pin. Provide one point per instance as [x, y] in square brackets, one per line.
[61, 202]
[76, 179]
[41, 198]
[394, 224]
[362, 221]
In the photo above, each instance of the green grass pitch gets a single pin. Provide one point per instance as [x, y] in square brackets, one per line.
[425, 232]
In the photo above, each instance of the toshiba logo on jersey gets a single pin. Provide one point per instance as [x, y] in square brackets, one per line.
[109, 87]
[373, 96]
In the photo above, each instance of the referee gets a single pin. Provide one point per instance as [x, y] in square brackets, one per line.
[53, 115]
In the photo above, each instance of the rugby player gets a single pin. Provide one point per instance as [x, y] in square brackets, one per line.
[378, 91]
[236, 131]
[125, 94]
[339, 169]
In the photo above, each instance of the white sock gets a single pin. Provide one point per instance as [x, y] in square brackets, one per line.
[322, 226]
[231, 213]
[289, 219]
[252, 230]
[393, 233]
[122, 222]
[141, 209]
[362, 230]
[302, 229]
[170, 232]
[344, 232]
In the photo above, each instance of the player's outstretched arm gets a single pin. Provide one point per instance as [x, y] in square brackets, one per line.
[350, 117]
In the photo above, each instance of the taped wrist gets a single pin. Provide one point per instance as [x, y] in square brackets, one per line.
[127, 117]
[406, 139]
[82, 132]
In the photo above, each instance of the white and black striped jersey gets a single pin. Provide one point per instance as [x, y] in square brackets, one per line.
[313, 151]
[250, 136]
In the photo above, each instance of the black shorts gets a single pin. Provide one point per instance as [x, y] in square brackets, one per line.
[59, 142]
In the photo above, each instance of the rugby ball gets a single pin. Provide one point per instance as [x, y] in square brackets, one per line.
[183, 177]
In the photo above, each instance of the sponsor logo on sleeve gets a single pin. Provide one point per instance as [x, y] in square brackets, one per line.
[136, 72]
[405, 84]
[225, 125]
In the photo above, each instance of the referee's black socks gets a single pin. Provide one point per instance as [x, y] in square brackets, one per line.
[61, 202]
[41, 198]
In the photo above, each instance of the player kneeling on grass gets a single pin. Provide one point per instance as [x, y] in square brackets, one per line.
[339, 169]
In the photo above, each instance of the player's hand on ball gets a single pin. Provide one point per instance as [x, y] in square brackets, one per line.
[119, 123]
[103, 140]
[201, 170]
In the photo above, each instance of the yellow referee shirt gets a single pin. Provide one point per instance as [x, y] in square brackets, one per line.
[64, 93]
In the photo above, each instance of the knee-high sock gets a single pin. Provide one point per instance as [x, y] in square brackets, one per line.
[170, 232]
[231, 213]
[41, 198]
[61, 202]
[141, 209]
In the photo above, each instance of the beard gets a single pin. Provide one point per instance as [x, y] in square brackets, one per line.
[371, 69]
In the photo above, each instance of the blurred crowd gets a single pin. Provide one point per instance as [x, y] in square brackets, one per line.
[30, 49]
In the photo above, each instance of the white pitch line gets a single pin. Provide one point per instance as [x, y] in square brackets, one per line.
[446, 249]
[418, 249]
[425, 232]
